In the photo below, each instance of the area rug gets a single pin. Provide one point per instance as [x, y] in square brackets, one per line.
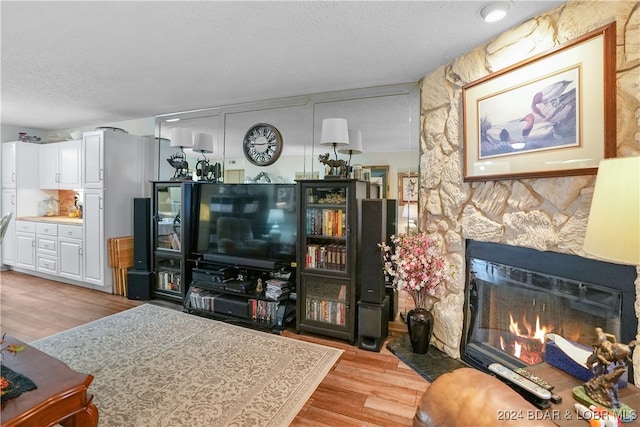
[155, 366]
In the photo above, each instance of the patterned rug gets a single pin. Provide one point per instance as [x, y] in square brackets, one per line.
[154, 366]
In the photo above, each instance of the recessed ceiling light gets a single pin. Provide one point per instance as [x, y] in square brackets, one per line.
[172, 120]
[495, 11]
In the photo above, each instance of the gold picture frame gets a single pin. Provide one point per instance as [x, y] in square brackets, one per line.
[380, 176]
[551, 115]
[408, 187]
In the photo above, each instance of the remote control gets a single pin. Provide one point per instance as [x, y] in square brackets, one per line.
[533, 378]
[520, 381]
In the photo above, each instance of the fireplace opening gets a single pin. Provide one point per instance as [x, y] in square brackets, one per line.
[514, 296]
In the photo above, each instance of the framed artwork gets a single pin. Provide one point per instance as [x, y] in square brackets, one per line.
[285, 199]
[408, 187]
[551, 115]
[380, 175]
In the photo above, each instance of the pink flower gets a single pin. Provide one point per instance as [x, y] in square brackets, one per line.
[416, 265]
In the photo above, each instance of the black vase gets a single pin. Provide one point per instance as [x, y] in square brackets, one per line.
[420, 326]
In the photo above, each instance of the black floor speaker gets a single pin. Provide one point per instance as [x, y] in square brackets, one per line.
[139, 284]
[373, 324]
[142, 233]
[377, 223]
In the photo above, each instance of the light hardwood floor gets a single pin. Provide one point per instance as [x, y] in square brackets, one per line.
[363, 388]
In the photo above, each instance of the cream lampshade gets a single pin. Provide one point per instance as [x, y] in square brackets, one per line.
[410, 214]
[355, 144]
[334, 132]
[182, 138]
[203, 143]
[613, 230]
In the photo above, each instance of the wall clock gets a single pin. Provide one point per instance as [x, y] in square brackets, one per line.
[262, 144]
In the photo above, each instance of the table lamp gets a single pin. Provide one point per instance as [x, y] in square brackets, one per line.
[355, 145]
[203, 144]
[276, 216]
[613, 230]
[182, 138]
[335, 132]
[410, 213]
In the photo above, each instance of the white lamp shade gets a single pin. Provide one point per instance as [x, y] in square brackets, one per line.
[410, 211]
[613, 231]
[203, 143]
[355, 143]
[276, 216]
[334, 132]
[181, 137]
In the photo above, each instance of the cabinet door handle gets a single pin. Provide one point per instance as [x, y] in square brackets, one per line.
[13, 177]
[101, 174]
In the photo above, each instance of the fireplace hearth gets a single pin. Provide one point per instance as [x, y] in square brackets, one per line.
[515, 295]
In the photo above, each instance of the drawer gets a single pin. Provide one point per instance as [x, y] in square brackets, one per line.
[46, 264]
[46, 228]
[26, 226]
[47, 244]
[72, 231]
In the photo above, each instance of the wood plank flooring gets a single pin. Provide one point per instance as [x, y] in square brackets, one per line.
[363, 388]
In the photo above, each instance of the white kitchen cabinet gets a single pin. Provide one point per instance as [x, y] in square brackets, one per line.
[9, 164]
[60, 165]
[25, 245]
[20, 192]
[116, 169]
[70, 251]
[94, 240]
[47, 248]
[9, 241]
[93, 159]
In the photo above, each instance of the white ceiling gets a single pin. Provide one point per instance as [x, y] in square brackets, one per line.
[80, 63]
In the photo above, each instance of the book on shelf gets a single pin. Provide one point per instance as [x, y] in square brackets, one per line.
[326, 311]
[327, 222]
[328, 257]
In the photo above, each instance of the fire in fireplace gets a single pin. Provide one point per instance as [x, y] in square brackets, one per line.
[515, 296]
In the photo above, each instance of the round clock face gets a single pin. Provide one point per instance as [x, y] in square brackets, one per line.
[262, 144]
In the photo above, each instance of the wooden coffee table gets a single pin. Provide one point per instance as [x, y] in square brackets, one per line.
[61, 396]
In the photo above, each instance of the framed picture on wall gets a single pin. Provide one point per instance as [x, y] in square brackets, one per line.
[408, 187]
[551, 115]
[380, 176]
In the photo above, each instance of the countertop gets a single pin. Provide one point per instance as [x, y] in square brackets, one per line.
[53, 219]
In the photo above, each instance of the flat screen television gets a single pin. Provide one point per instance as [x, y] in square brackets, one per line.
[247, 224]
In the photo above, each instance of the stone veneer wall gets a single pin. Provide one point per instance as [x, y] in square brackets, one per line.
[547, 214]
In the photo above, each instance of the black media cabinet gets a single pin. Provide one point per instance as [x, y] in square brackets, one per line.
[226, 288]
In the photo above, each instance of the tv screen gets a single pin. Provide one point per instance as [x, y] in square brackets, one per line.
[250, 221]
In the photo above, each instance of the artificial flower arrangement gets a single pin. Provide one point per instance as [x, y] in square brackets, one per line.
[416, 265]
[11, 348]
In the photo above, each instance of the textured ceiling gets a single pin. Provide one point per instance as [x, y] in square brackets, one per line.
[81, 63]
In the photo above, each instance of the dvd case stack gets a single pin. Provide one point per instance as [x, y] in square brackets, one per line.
[276, 288]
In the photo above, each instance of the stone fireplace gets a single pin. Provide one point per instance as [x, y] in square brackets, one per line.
[514, 296]
[545, 214]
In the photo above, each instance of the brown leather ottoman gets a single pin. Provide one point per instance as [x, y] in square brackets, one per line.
[469, 397]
